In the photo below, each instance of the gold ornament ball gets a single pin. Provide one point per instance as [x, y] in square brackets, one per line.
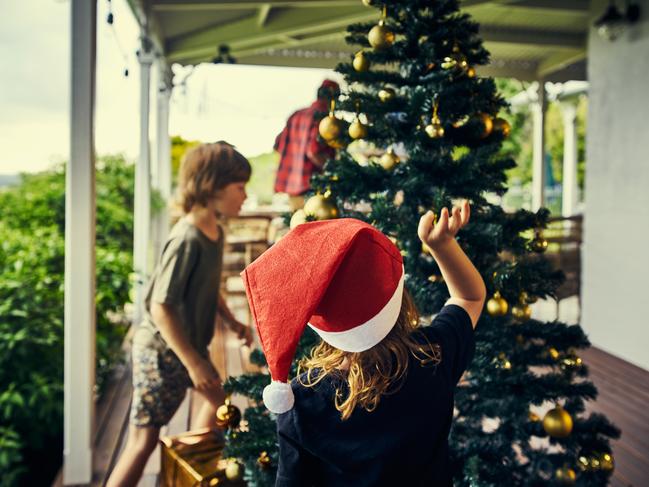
[497, 306]
[264, 460]
[228, 415]
[386, 94]
[606, 462]
[234, 471]
[360, 62]
[321, 208]
[357, 130]
[470, 72]
[434, 131]
[502, 362]
[389, 160]
[557, 423]
[521, 311]
[330, 127]
[486, 123]
[380, 37]
[336, 144]
[538, 244]
[298, 218]
[565, 476]
[553, 352]
[500, 125]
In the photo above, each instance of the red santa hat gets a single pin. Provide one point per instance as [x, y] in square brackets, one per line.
[342, 277]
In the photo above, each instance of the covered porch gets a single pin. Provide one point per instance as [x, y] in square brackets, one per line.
[542, 41]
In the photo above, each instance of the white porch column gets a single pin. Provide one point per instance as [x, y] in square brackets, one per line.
[163, 173]
[142, 220]
[570, 188]
[539, 107]
[79, 307]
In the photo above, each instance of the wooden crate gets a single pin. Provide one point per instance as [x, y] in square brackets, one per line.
[193, 459]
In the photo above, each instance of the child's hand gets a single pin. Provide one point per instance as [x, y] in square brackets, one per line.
[245, 333]
[204, 375]
[437, 234]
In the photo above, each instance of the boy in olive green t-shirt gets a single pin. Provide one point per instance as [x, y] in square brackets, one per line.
[170, 347]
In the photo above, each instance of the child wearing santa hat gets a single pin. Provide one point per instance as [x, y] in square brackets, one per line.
[373, 404]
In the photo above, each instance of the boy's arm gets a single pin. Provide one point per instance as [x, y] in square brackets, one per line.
[201, 372]
[235, 325]
[465, 285]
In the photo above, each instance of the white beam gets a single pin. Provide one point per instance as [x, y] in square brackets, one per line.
[558, 61]
[532, 37]
[264, 11]
[562, 6]
[570, 197]
[539, 107]
[162, 181]
[79, 300]
[175, 5]
[142, 216]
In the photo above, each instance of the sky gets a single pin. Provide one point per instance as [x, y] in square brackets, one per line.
[218, 102]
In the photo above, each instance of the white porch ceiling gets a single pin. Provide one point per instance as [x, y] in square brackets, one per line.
[528, 39]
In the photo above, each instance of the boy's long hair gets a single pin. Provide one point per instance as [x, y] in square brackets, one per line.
[208, 168]
[375, 372]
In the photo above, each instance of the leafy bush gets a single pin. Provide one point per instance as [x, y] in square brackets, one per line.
[32, 261]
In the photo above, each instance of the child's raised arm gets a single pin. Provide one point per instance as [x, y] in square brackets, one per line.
[465, 285]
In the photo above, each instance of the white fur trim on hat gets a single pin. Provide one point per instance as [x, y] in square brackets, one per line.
[278, 397]
[368, 334]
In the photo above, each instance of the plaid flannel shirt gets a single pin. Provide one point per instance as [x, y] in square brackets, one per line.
[299, 138]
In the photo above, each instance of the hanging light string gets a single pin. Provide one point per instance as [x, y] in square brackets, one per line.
[110, 20]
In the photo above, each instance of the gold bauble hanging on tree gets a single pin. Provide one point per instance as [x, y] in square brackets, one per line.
[486, 124]
[501, 126]
[228, 415]
[336, 144]
[606, 462]
[381, 37]
[389, 159]
[522, 311]
[538, 244]
[557, 422]
[565, 476]
[497, 306]
[357, 129]
[322, 207]
[386, 94]
[434, 130]
[298, 218]
[330, 127]
[234, 470]
[360, 62]
[263, 460]
[471, 72]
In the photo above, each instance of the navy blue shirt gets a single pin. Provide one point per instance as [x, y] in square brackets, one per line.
[404, 441]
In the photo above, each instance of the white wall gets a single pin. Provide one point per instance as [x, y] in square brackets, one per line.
[615, 292]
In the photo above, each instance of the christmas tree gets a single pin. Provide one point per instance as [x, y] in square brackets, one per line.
[415, 99]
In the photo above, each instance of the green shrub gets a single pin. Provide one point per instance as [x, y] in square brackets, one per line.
[32, 261]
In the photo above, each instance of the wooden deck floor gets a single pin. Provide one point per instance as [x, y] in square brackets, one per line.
[623, 396]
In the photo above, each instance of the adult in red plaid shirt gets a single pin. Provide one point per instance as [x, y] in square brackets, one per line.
[300, 151]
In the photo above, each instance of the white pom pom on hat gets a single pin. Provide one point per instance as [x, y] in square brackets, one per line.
[342, 277]
[278, 397]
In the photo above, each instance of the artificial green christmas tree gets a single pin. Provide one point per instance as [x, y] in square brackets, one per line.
[413, 93]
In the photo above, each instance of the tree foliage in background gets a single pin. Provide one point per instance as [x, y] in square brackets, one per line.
[31, 309]
[522, 366]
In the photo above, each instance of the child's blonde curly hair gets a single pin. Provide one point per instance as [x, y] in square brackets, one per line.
[375, 372]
